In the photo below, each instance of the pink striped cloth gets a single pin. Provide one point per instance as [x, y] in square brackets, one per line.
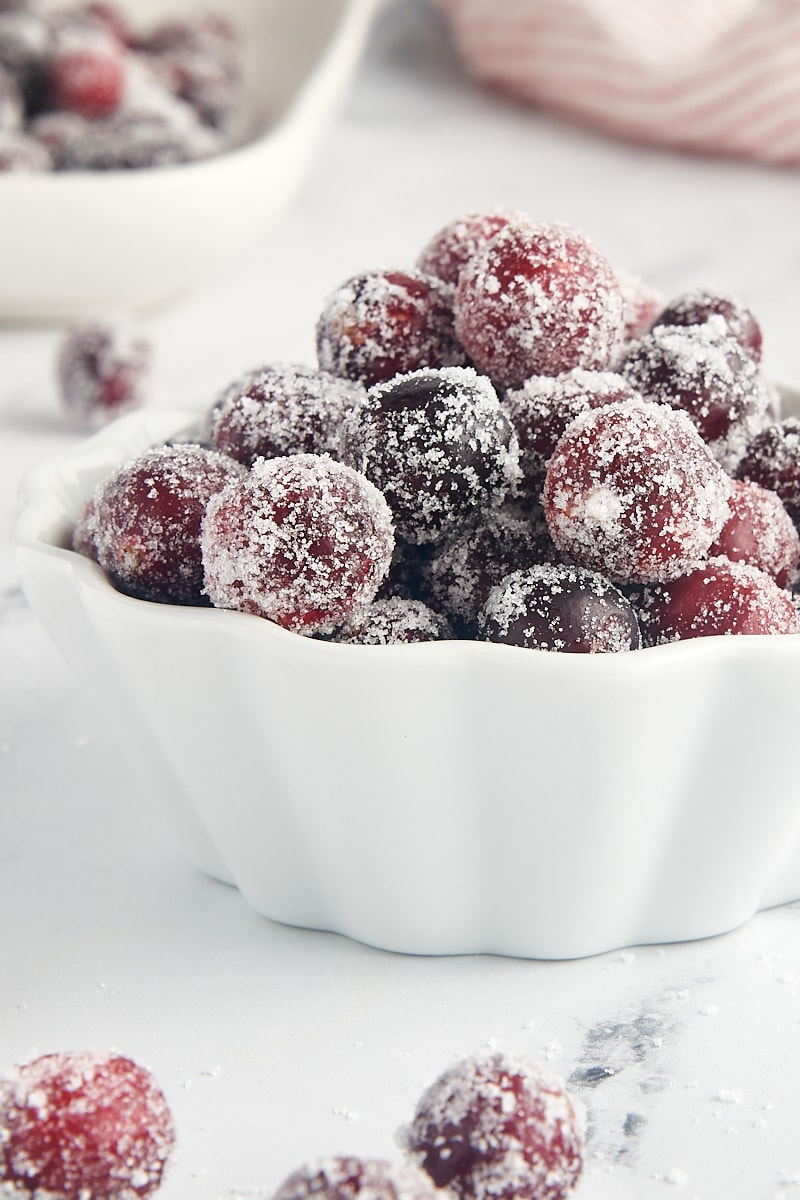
[720, 76]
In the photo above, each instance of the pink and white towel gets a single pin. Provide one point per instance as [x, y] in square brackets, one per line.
[718, 76]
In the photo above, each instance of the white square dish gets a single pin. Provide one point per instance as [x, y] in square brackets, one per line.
[440, 798]
[76, 243]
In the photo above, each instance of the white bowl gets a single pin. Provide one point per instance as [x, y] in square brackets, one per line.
[439, 798]
[76, 243]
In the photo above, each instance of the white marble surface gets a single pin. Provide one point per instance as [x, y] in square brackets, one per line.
[277, 1045]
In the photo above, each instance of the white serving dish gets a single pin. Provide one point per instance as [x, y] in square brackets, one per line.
[82, 242]
[440, 798]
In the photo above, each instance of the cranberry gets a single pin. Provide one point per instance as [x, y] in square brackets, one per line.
[148, 516]
[282, 410]
[720, 597]
[83, 1126]
[439, 446]
[102, 372]
[85, 531]
[761, 532]
[496, 1128]
[18, 152]
[86, 80]
[385, 323]
[641, 305]
[350, 1178]
[543, 407]
[633, 492]
[302, 540]
[773, 460]
[559, 607]
[464, 569]
[538, 300]
[132, 139]
[704, 371]
[698, 307]
[394, 621]
[450, 249]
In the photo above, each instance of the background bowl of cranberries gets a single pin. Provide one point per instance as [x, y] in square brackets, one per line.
[131, 131]
[481, 633]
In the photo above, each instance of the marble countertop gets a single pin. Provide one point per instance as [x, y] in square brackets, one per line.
[278, 1045]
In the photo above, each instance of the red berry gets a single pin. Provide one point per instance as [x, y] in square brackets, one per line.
[386, 323]
[86, 81]
[760, 531]
[720, 597]
[351, 1178]
[641, 305]
[699, 307]
[632, 492]
[83, 1126]
[538, 300]
[302, 540]
[773, 460]
[102, 372]
[496, 1128]
[450, 249]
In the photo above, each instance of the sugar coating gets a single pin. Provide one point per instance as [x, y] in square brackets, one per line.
[499, 1128]
[302, 540]
[562, 608]
[773, 460]
[720, 597]
[761, 532]
[703, 370]
[387, 322]
[395, 620]
[83, 1126]
[439, 446]
[698, 306]
[538, 300]
[632, 491]
[345, 1177]
[282, 409]
[451, 247]
[147, 521]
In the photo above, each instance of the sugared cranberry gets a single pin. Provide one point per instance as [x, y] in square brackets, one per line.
[282, 410]
[131, 139]
[438, 445]
[633, 492]
[392, 622]
[385, 323]
[497, 1128]
[720, 597]
[703, 370]
[760, 531]
[452, 246]
[303, 540]
[20, 153]
[773, 460]
[465, 568]
[538, 300]
[83, 1126]
[350, 1178]
[543, 407]
[641, 305]
[83, 535]
[698, 307]
[562, 608]
[148, 516]
[86, 80]
[102, 372]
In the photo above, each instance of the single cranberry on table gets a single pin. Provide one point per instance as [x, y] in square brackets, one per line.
[633, 492]
[384, 323]
[103, 371]
[302, 540]
[451, 247]
[499, 1128]
[83, 1126]
[538, 300]
[759, 531]
[700, 306]
[346, 1177]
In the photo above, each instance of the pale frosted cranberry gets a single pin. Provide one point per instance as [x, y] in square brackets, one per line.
[699, 306]
[452, 246]
[394, 621]
[346, 1177]
[773, 460]
[103, 371]
[642, 304]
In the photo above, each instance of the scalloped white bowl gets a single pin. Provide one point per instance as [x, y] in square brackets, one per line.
[77, 243]
[441, 798]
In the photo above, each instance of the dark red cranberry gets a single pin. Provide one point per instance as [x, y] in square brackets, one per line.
[773, 460]
[701, 306]
[84, 1126]
[497, 1128]
[302, 540]
[538, 300]
[350, 1178]
[102, 372]
[632, 492]
[720, 597]
[148, 516]
[86, 80]
[386, 323]
[451, 247]
[438, 445]
[562, 608]
[760, 531]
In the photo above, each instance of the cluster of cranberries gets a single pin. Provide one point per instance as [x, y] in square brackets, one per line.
[511, 442]
[80, 89]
